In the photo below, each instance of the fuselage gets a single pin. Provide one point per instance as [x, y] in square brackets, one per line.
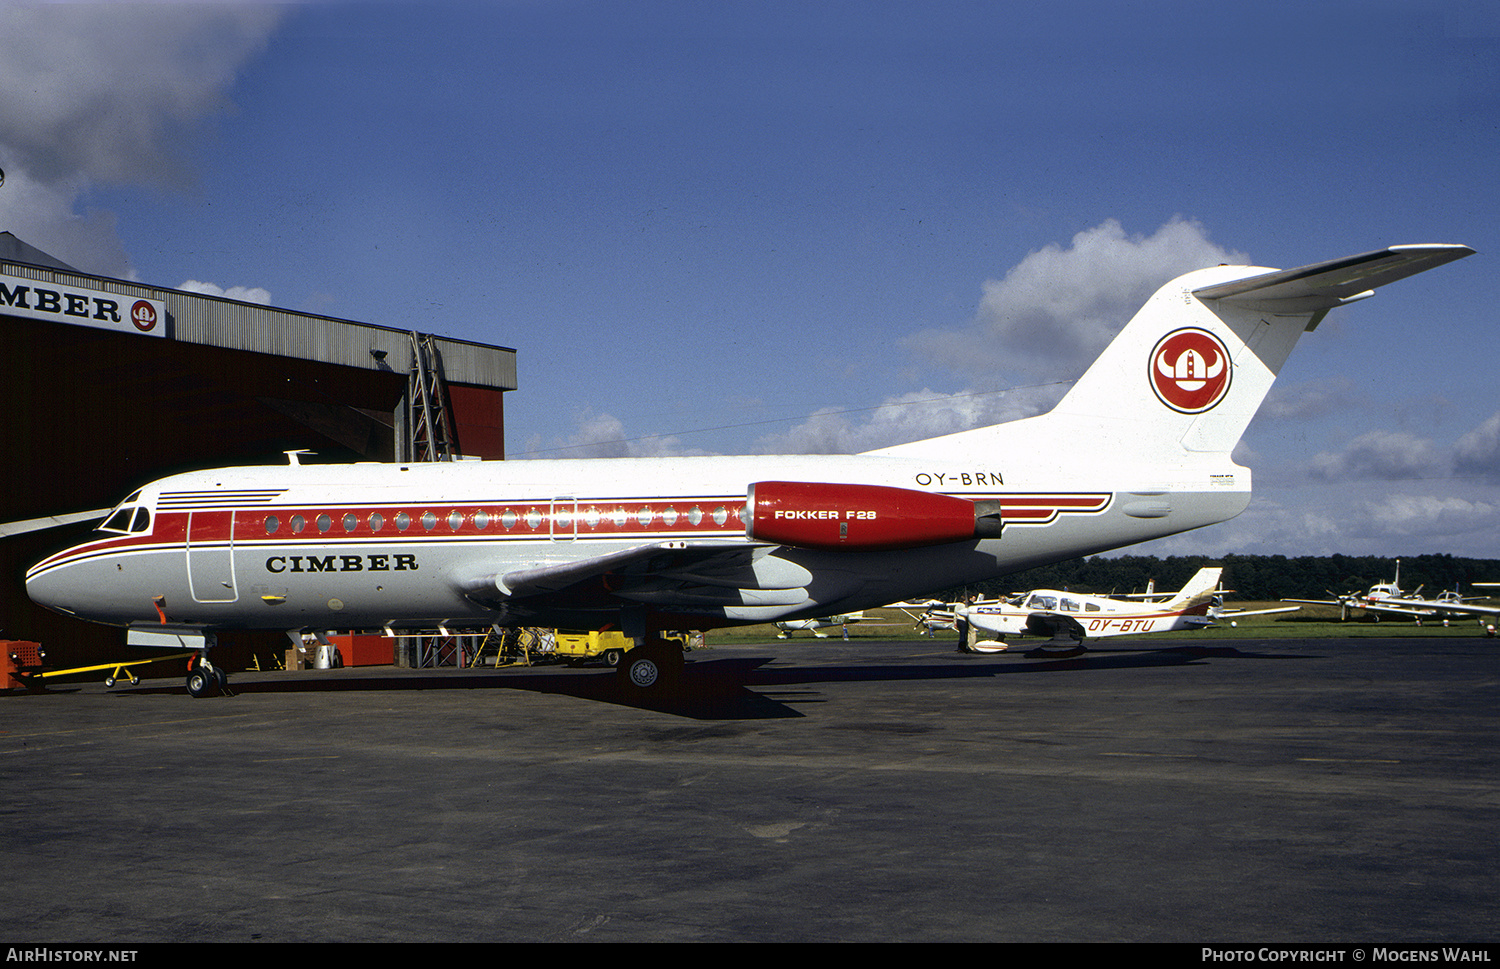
[402, 545]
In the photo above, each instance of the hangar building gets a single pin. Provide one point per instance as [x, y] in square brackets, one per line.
[115, 383]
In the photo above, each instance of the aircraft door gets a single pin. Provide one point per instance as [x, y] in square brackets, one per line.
[210, 556]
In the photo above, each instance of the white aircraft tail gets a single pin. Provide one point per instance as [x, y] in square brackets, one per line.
[1190, 370]
[1200, 588]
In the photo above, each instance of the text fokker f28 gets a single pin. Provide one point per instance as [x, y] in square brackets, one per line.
[1139, 448]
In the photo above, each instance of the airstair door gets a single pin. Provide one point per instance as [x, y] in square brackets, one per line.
[210, 556]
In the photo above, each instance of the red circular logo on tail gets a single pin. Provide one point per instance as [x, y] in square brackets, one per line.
[1190, 370]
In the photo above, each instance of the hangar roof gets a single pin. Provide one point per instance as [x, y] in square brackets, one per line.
[220, 322]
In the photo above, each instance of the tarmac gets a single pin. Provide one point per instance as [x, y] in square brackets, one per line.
[1162, 790]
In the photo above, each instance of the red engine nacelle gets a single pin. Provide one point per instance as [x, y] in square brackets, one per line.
[815, 514]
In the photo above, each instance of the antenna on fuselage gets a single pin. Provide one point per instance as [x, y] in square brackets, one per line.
[294, 458]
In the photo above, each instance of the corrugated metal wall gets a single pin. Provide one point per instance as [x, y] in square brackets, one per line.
[217, 322]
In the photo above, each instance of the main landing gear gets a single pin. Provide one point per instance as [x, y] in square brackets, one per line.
[654, 668]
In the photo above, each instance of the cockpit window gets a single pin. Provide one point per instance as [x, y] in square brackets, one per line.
[127, 519]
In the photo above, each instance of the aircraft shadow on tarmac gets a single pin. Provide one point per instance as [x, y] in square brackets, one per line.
[733, 688]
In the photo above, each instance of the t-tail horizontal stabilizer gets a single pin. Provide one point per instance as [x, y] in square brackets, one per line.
[1324, 285]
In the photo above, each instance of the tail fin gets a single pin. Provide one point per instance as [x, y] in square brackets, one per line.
[1190, 370]
[1200, 588]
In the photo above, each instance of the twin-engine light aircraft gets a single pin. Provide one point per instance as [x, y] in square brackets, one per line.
[1139, 448]
[1072, 617]
[1451, 605]
[1386, 599]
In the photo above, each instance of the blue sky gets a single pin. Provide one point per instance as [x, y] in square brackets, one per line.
[750, 227]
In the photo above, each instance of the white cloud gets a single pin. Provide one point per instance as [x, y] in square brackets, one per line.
[1047, 320]
[1477, 453]
[1426, 515]
[908, 417]
[44, 215]
[108, 94]
[1057, 309]
[245, 294]
[603, 436]
[1382, 455]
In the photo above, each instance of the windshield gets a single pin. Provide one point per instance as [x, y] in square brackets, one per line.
[128, 518]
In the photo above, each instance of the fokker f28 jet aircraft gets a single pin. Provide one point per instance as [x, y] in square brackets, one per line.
[1139, 448]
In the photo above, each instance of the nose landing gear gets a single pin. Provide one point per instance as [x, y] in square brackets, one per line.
[206, 679]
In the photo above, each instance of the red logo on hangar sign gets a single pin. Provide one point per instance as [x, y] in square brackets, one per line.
[1190, 370]
[143, 315]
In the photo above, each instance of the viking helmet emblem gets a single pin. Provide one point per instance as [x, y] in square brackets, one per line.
[1190, 370]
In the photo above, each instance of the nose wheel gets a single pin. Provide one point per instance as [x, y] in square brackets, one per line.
[206, 679]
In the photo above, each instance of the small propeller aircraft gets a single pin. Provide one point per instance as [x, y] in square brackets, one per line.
[1070, 617]
[822, 622]
[923, 617]
[1452, 605]
[1139, 448]
[1384, 598]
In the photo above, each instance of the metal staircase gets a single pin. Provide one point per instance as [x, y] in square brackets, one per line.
[431, 435]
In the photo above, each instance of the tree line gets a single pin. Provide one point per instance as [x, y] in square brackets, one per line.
[1250, 577]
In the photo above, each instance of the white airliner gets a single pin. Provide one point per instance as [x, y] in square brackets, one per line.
[1139, 448]
[1071, 616]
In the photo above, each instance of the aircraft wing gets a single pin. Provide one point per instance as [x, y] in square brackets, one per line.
[665, 575]
[7, 529]
[1410, 609]
[1054, 624]
[1237, 613]
[1431, 606]
[1324, 285]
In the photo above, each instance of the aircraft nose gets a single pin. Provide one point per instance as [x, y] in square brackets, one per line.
[50, 585]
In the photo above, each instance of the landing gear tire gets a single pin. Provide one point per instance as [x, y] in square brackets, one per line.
[201, 682]
[643, 672]
[206, 679]
[651, 670]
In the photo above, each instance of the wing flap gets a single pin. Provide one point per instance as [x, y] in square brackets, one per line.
[665, 575]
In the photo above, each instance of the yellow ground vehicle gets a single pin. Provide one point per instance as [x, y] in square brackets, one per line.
[577, 645]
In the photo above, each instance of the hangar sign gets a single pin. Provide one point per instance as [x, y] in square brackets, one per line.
[82, 307]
